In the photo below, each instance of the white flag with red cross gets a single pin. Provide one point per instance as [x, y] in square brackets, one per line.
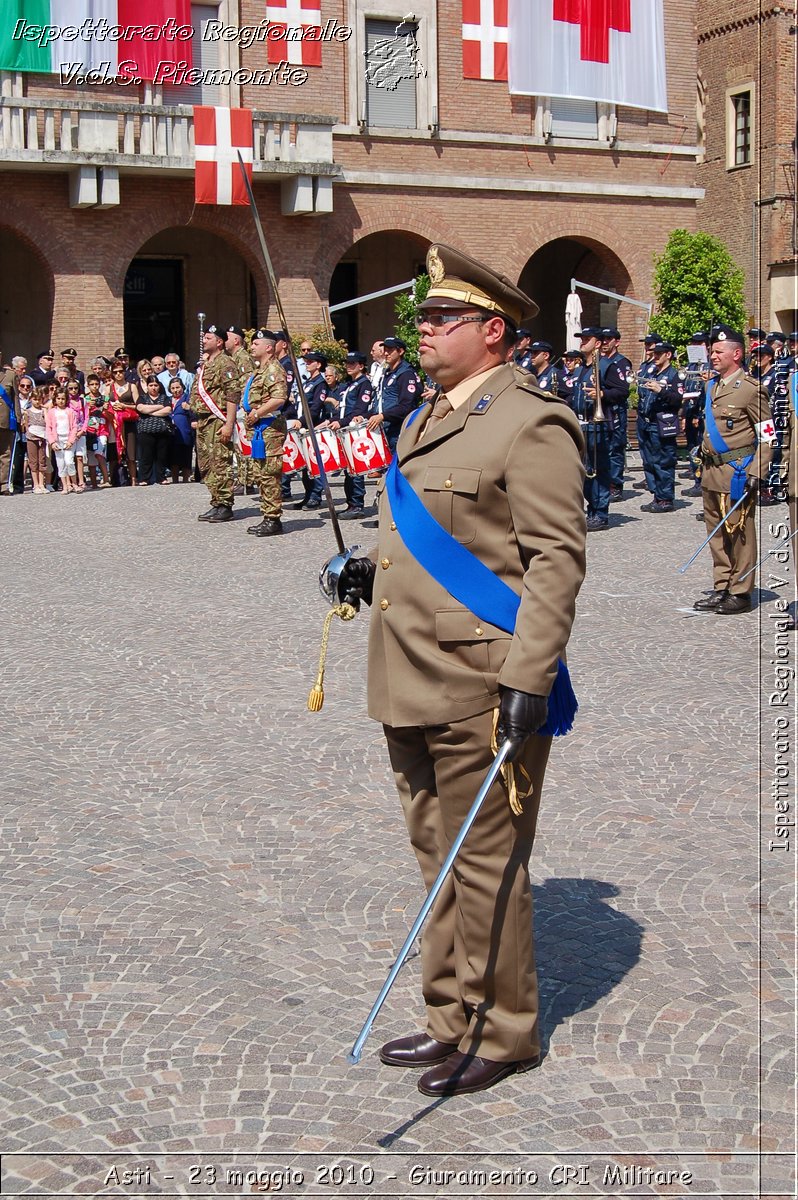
[485, 36]
[766, 432]
[604, 50]
[294, 32]
[219, 134]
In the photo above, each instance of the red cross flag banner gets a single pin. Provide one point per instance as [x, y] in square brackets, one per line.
[485, 36]
[294, 34]
[608, 50]
[219, 133]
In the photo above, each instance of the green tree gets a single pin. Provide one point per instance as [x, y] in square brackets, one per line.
[696, 285]
[406, 307]
[335, 350]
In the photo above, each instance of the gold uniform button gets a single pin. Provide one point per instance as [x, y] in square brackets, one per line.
[385, 563]
[384, 604]
[393, 525]
[447, 483]
[479, 631]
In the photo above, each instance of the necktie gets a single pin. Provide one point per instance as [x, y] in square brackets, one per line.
[441, 409]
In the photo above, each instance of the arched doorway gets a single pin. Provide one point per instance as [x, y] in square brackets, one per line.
[547, 279]
[176, 275]
[377, 261]
[26, 305]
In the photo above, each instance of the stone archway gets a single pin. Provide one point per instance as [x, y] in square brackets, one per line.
[547, 275]
[175, 275]
[26, 306]
[378, 260]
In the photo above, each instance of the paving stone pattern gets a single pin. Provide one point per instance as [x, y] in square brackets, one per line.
[204, 885]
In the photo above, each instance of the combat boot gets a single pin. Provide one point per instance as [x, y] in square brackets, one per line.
[257, 528]
[209, 515]
[269, 527]
[221, 513]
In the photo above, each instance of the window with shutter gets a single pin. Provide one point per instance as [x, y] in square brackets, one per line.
[205, 56]
[574, 118]
[391, 70]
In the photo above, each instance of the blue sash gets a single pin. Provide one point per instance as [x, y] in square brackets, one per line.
[470, 582]
[794, 392]
[256, 433]
[12, 415]
[719, 445]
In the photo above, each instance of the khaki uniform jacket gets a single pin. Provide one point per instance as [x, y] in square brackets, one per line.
[8, 379]
[503, 474]
[221, 379]
[741, 401]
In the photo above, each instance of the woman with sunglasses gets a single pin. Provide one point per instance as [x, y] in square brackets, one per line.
[124, 396]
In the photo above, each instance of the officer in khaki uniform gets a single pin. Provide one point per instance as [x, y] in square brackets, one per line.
[741, 412]
[214, 400]
[500, 468]
[264, 396]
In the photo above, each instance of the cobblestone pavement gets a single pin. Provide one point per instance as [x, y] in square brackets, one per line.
[204, 885]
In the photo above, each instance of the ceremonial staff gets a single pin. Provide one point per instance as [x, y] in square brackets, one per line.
[297, 377]
[710, 536]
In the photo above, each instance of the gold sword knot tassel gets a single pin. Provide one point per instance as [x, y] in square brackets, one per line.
[316, 697]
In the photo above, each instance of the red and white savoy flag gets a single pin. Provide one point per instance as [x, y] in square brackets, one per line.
[609, 50]
[219, 133]
[485, 36]
[291, 15]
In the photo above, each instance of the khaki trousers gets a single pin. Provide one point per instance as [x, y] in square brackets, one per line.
[732, 553]
[477, 954]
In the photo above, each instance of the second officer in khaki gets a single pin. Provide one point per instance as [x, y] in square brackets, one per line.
[265, 394]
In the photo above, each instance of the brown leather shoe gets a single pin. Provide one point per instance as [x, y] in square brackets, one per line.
[734, 604]
[463, 1073]
[418, 1050]
[710, 602]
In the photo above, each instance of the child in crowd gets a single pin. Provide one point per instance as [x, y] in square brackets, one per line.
[96, 431]
[78, 406]
[35, 423]
[62, 431]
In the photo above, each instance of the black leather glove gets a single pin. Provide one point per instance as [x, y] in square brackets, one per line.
[751, 485]
[356, 581]
[520, 714]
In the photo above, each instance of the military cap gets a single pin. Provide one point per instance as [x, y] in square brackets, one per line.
[69, 353]
[459, 281]
[757, 333]
[609, 331]
[664, 347]
[46, 354]
[394, 343]
[218, 331]
[236, 329]
[793, 337]
[698, 339]
[650, 339]
[280, 335]
[354, 356]
[121, 353]
[542, 346]
[590, 331]
[523, 333]
[574, 354]
[261, 335]
[725, 333]
[763, 348]
[776, 336]
[316, 356]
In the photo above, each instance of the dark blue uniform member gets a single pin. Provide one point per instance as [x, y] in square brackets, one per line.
[401, 392]
[696, 375]
[354, 406]
[549, 377]
[523, 350]
[595, 433]
[316, 394]
[618, 410]
[660, 400]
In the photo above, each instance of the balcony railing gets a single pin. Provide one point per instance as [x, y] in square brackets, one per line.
[35, 131]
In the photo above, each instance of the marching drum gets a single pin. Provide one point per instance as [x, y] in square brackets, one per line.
[293, 457]
[331, 452]
[365, 449]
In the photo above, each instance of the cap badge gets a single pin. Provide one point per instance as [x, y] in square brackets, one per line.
[435, 268]
[721, 336]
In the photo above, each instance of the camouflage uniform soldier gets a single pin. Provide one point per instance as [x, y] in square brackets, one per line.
[214, 400]
[236, 348]
[264, 397]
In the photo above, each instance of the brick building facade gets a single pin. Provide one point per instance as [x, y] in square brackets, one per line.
[747, 77]
[100, 230]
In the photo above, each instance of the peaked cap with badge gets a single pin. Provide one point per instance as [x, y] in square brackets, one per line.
[459, 281]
